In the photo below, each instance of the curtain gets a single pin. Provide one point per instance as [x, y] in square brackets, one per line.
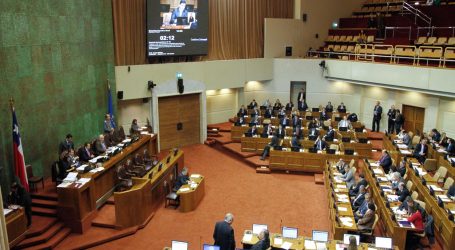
[236, 28]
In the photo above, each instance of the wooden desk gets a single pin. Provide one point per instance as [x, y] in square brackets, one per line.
[190, 199]
[303, 161]
[16, 226]
[77, 204]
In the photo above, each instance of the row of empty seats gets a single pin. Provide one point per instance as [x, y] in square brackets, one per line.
[375, 2]
[437, 41]
[367, 51]
[347, 39]
[375, 9]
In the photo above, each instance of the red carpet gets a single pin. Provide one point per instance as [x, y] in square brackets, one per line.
[232, 186]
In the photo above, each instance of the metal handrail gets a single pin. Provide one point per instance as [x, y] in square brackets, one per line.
[409, 28]
[432, 28]
[417, 13]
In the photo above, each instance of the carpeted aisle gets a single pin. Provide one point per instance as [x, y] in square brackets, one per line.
[233, 186]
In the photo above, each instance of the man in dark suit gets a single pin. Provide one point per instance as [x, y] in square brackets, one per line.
[330, 134]
[313, 133]
[329, 107]
[284, 121]
[391, 122]
[85, 153]
[19, 196]
[182, 179]
[324, 116]
[341, 108]
[295, 121]
[421, 150]
[268, 112]
[100, 145]
[66, 145]
[224, 233]
[289, 106]
[385, 161]
[253, 104]
[242, 111]
[295, 141]
[274, 142]
[301, 97]
[359, 198]
[302, 106]
[356, 188]
[399, 121]
[298, 131]
[267, 130]
[320, 144]
[450, 146]
[281, 132]
[402, 192]
[253, 130]
[377, 114]
[240, 121]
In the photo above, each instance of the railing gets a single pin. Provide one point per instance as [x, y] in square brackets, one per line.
[417, 13]
[409, 28]
[430, 30]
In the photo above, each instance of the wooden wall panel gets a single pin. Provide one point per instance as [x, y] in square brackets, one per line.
[414, 118]
[175, 109]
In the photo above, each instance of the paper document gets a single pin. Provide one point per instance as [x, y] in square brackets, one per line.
[337, 174]
[194, 185]
[184, 189]
[348, 224]
[442, 151]
[345, 219]
[342, 209]
[377, 171]
[6, 211]
[83, 180]
[341, 186]
[435, 188]
[64, 184]
[402, 146]
[98, 169]
[321, 246]
[278, 241]
[309, 244]
[71, 177]
[247, 237]
[342, 196]
[392, 197]
[405, 152]
[286, 245]
[195, 175]
[374, 164]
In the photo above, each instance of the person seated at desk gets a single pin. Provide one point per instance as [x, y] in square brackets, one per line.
[348, 176]
[302, 106]
[341, 108]
[274, 142]
[366, 222]
[267, 130]
[406, 138]
[180, 11]
[329, 107]
[109, 139]
[268, 112]
[134, 170]
[352, 243]
[402, 192]
[450, 146]
[362, 209]
[282, 113]
[284, 121]
[296, 121]
[313, 134]
[409, 202]
[320, 144]
[451, 191]
[264, 241]
[85, 154]
[402, 167]
[356, 188]
[435, 135]
[385, 161]
[345, 123]
[65, 165]
[298, 131]
[415, 217]
[295, 141]
[330, 134]
[340, 166]
[266, 103]
[253, 130]
[253, 104]
[19, 196]
[134, 129]
[396, 180]
[109, 125]
[277, 104]
[223, 235]
[242, 111]
[421, 150]
[359, 198]
[66, 145]
[124, 181]
[255, 112]
[182, 179]
[254, 120]
[399, 121]
[289, 106]
[281, 132]
[353, 117]
[324, 116]
[240, 121]
[100, 145]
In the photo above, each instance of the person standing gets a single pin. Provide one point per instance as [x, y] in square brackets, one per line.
[66, 145]
[399, 121]
[223, 235]
[391, 123]
[301, 97]
[377, 114]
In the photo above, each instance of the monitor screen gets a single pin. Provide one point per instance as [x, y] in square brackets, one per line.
[257, 228]
[346, 238]
[321, 236]
[210, 247]
[179, 245]
[289, 232]
[383, 242]
[176, 28]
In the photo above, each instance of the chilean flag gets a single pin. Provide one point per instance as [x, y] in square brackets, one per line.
[19, 162]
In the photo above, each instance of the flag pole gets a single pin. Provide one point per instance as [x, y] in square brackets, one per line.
[11, 103]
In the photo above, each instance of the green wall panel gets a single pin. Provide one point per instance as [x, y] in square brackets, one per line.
[55, 58]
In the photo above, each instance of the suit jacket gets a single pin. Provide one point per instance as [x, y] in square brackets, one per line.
[268, 113]
[84, 155]
[99, 147]
[181, 180]
[176, 13]
[313, 132]
[253, 104]
[329, 108]
[289, 106]
[253, 131]
[265, 130]
[392, 114]
[295, 142]
[242, 112]
[323, 116]
[450, 148]
[419, 148]
[451, 191]
[320, 145]
[349, 178]
[358, 200]
[275, 141]
[402, 194]
[301, 96]
[341, 109]
[302, 106]
[363, 208]
[385, 162]
[240, 122]
[295, 121]
[330, 135]
[284, 122]
[224, 236]
[355, 189]
[64, 145]
[377, 113]
[407, 139]
[367, 221]
[281, 133]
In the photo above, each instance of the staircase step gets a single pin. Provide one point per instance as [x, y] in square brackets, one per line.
[47, 196]
[52, 243]
[319, 178]
[44, 211]
[40, 239]
[111, 200]
[44, 203]
[263, 170]
[40, 224]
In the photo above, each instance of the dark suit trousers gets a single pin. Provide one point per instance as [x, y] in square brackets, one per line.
[375, 127]
[391, 126]
[266, 151]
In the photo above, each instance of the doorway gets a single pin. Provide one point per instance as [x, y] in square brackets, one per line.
[296, 87]
[413, 118]
[179, 120]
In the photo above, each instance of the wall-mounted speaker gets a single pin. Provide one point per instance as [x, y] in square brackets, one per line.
[150, 85]
[145, 100]
[120, 95]
[288, 51]
[304, 17]
[180, 86]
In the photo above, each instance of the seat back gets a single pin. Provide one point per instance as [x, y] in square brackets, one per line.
[352, 163]
[421, 203]
[409, 185]
[415, 140]
[54, 171]
[429, 164]
[414, 195]
[334, 146]
[436, 176]
[442, 171]
[448, 183]
[29, 170]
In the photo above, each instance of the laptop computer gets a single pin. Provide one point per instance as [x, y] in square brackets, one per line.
[321, 236]
[358, 130]
[315, 109]
[363, 140]
[290, 232]
[347, 236]
[210, 247]
[248, 134]
[343, 129]
[312, 150]
[331, 151]
[309, 118]
[295, 149]
[338, 118]
[345, 139]
[349, 151]
[383, 242]
[257, 228]
[179, 245]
